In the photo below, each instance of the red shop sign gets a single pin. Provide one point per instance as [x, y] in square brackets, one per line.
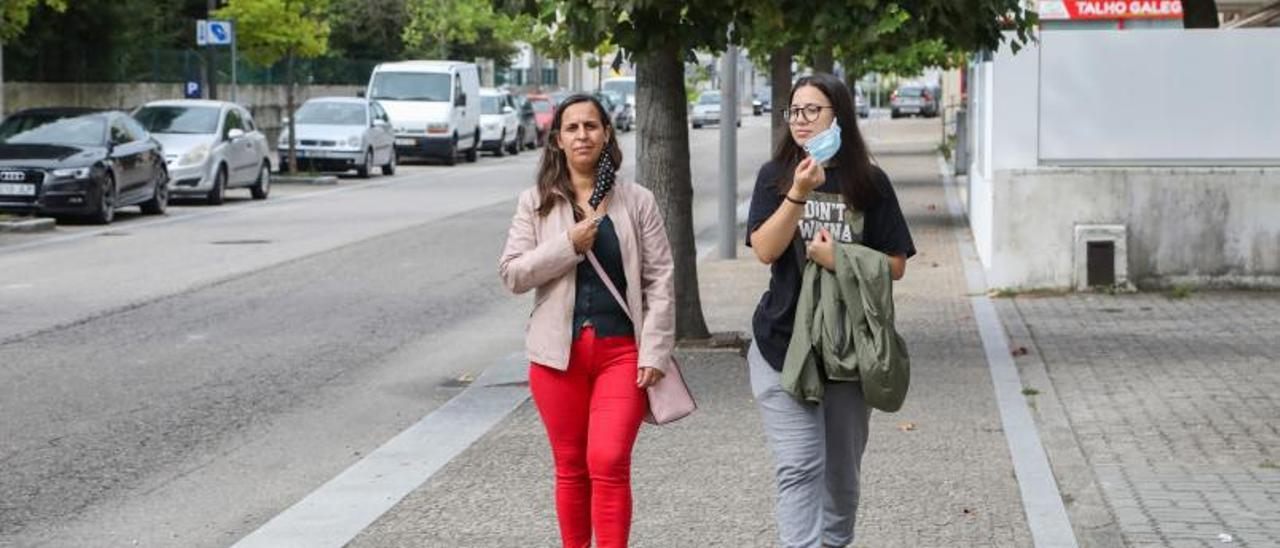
[1110, 9]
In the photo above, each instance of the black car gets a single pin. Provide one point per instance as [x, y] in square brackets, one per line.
[529, 137]
[75, 162]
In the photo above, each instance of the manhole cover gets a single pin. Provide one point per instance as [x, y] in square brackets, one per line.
[241, 242]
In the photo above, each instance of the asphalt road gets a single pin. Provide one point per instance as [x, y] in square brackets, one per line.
[178, 381]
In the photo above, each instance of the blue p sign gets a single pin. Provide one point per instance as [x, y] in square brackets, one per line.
[192, 90]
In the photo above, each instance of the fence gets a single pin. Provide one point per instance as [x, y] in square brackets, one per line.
[164, 65]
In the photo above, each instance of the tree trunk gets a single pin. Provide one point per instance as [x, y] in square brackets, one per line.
[290, 85]
[823, 61]
[662, 164]
[1200, 14]
[780, 81]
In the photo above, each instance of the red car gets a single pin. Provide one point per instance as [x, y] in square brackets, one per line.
[543, 111]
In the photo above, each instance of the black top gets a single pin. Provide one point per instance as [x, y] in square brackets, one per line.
[592, 301]
[884, 229]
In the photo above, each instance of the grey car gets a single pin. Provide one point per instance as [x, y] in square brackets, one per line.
[339, 134]
[209, 147]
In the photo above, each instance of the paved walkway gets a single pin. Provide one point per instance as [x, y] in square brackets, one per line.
[937, 473]
[1175, 405]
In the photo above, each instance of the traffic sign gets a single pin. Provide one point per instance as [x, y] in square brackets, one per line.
[213, 33]
[192, 90]
[219, 33]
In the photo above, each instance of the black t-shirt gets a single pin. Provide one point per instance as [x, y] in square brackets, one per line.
[884, 229]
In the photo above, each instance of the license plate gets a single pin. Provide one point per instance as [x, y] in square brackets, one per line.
[12, 189]
[406, 142]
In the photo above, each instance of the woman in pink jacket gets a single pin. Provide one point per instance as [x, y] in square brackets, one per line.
[590, 359]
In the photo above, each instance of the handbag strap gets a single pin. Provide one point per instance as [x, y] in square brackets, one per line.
[604, 276]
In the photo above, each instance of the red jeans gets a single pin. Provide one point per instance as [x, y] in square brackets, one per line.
[592, 412]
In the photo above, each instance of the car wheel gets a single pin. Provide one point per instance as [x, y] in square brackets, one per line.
[106, 202]
[218, 193]
[517, 144]
[390, 167]
[262, 187]
[367, 168]
[501, 149]
[451, 158]
[159, 201]
[474, 153]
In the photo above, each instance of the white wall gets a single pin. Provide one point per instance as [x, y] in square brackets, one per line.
[1160, 97]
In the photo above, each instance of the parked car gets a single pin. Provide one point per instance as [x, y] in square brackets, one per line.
[499, 122]
[528, 132]
[59, 163]
[861, 104]
[338, 134]
[620, 112]
[706, 110]
[764, 99]
[913, 99]
[210, 146]
[544, 110]
[435, 106]
[624, 86]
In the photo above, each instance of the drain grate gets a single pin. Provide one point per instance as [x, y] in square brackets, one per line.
[241, 242]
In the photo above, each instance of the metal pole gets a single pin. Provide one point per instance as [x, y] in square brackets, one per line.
[1, 79]
[729, 155]
[234, 38]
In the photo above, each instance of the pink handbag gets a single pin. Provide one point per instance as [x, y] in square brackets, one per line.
[669, 399]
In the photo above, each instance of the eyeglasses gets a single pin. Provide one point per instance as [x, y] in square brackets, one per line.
[807, 113]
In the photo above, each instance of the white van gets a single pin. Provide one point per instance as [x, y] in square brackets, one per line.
[434, 107]
[624, 86]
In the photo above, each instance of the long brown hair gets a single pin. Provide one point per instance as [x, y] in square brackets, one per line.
[553, 170]
[852, 161]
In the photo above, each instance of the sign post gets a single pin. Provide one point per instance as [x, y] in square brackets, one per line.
[219, 33]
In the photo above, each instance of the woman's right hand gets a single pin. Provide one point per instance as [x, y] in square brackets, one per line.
[583, 234]
[809, 176]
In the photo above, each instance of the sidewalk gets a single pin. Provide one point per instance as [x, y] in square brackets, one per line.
[937, 473]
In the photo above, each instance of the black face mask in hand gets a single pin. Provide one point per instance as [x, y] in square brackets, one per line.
[604, 178]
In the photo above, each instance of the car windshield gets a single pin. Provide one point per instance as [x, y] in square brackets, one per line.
[489, 104]
[410, 86]
[910, 92]
[82, 130]
[175, 119]
[332, 113]
[541, 105]
[19, 123]
[709, 99]
[622, 87]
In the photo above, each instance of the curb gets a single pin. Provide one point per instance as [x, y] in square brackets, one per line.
[41, 224]
[1091, 518]
[320, 180]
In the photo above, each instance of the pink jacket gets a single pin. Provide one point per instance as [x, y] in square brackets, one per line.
[539, 255]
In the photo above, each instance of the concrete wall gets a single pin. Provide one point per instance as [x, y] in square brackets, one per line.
[1215, 227]
[267, 103]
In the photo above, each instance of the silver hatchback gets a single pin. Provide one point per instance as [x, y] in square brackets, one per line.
[209, 147]
[339, 134]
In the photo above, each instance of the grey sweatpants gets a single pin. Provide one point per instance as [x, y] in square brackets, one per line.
[817, 453]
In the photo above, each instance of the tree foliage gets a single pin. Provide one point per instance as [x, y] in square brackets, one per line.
[270, 30]
[16, 14]
[463, 29]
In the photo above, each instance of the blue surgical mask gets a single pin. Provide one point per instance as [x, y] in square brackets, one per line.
[824, 145]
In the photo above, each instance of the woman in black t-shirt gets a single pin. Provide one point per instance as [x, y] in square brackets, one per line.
[795, 217]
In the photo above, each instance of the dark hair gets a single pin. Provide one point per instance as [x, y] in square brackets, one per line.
[852, 161]
[553, 170]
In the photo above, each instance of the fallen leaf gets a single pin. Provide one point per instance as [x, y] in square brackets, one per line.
[1020, 351]
[906, 426]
